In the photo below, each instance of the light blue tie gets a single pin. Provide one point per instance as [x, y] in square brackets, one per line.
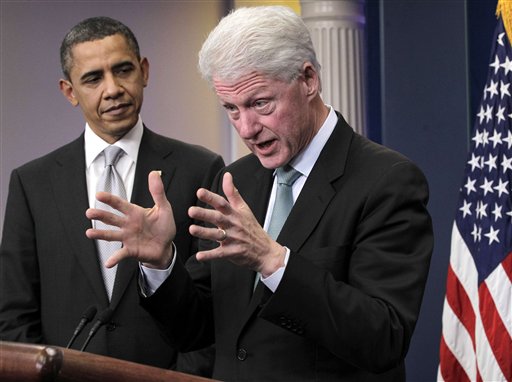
[110, 181]
[286, 176]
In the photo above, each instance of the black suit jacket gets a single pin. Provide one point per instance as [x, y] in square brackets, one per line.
[361, 240]
[49, 269]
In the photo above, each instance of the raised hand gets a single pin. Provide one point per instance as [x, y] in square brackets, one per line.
[146, 233]
[242, 240]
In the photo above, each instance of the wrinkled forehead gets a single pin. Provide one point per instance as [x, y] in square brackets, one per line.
[245, 84]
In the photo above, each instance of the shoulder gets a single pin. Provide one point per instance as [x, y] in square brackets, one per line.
[359, 150]
[376, 158]
[73, 149]
[249, 162]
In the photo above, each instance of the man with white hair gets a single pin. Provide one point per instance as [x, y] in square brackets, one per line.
[339, 286]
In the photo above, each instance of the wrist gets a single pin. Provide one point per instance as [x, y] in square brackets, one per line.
[163, 261]
[274, 261]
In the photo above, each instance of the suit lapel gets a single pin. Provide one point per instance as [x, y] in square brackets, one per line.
[309, 208]
[70, 192]
[152, 156]
[319, 188]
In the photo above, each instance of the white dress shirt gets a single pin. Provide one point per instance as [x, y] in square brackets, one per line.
[95, 159]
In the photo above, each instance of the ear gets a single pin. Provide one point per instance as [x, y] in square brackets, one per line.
[311, 79]
[66, 88]
[144, 66]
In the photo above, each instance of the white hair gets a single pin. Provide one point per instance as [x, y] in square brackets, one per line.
[272, 40]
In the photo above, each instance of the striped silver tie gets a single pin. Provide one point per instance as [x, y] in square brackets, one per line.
[110, 181]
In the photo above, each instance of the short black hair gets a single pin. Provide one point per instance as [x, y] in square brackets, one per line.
[94, 28]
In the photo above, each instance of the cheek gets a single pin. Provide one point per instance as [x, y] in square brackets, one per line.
[287, 128]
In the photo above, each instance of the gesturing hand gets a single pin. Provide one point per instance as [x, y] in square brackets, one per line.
[146, 233]
[245, 242]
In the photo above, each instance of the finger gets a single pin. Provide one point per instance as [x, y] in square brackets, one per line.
[104, 216]
[209, 216]
[156, 188]
[114, 201]
[101, 234]
[212, 254]
[214, 234]
[212, 199]
[116, 258]
[231, 192]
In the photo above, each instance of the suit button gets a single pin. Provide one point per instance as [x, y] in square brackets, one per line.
[111, 326]
[241, 354]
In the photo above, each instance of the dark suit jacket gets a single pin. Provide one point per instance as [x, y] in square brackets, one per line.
[361, 241]
[49, 268]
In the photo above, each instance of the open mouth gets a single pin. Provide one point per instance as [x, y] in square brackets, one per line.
[266, 147]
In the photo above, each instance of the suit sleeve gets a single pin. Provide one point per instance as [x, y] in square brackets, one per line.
[19, 275]
[363, 302]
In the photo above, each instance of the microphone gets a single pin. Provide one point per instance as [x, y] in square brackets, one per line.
[102, 319]
[87, 316]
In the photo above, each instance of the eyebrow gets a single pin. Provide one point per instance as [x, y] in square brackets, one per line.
[92, 73]
[119, 65]
[123, 64]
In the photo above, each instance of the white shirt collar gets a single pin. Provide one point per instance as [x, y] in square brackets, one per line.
[305, 160]
[130, 143]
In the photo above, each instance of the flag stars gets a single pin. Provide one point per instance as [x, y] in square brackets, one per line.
[478, 138]
[492, 89]
[500, 114]
[491, 162]
[470, 186]
[496, 138]
[507, 65]
[481, 210]
[499, 40]
[475, 162]
[481, 114]
[476, 233]
[504, 89]
[497, 212]
[502, 187]
[496, 64]
[487, 186]
[485, 138]
[488, 113]
[492, 235]
[508, 140]
[506, 164]
[466, 209]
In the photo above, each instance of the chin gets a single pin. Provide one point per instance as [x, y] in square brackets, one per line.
[271, 163]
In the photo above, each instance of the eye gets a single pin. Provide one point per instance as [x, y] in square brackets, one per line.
[263, 106]
[231, 110]
[91, 80]
[124, 70]
[260, 103]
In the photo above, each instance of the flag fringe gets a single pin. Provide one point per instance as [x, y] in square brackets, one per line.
[504, 10]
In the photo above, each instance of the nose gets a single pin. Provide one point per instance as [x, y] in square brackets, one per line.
[113, 87]
[247, 125]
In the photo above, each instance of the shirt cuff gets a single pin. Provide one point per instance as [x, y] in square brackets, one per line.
[272, 281]
[150, 278]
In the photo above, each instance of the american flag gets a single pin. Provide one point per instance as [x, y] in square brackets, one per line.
[476, 342]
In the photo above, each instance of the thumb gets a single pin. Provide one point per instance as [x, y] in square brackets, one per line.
[156, 188]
